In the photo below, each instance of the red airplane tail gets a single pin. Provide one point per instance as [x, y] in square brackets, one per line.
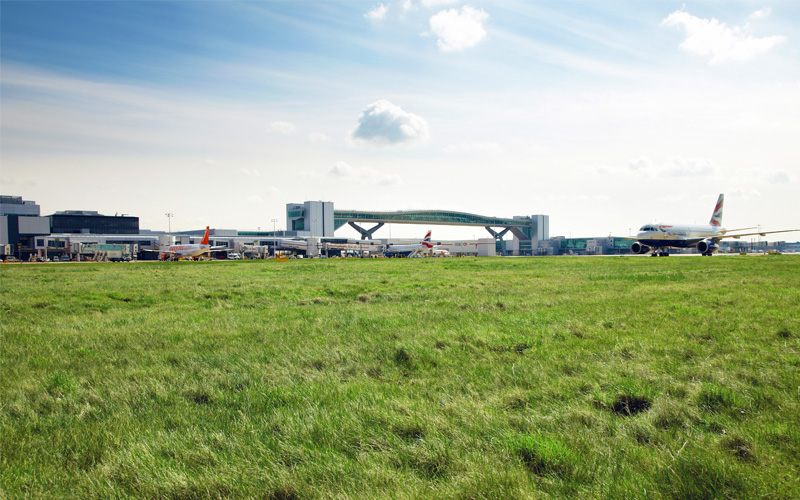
[205, 237]
[427, 241]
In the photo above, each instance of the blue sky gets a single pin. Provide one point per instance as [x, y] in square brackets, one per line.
[604, 115]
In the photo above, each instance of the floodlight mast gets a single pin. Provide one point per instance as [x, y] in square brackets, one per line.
[274, 237]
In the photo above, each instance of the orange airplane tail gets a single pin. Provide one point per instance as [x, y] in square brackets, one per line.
[205, 237]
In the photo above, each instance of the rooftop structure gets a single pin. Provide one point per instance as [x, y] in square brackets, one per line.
[15, 205]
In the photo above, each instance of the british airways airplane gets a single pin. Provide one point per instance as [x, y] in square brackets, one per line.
[413, 249]
[660, 237]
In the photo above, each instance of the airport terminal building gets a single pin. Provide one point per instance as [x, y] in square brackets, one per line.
[310, 231]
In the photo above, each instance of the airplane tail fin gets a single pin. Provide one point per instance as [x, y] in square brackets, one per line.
[205, 237]
[427, 241]
[716, 218]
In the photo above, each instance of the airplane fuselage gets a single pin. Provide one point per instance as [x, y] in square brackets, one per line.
[406, 248]
[193, 250]
[677, 235]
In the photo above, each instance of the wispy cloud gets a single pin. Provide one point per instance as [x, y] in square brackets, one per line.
[459, 29]
[284, 128]
[318, 138]
[378, 13]
[761, 13]
[363, 175]
[473, 147]
[383, 123]
[766, 175]
[430, 4]
[714, 39]
[674, 167]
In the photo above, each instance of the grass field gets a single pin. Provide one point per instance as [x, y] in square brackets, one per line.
[403, 378]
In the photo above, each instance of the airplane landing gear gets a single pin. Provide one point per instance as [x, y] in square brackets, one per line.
[659, 253]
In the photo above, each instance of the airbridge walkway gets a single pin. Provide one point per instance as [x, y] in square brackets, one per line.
[320, 219]
[521, 227]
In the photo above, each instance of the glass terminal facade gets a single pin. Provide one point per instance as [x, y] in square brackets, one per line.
[92, 223]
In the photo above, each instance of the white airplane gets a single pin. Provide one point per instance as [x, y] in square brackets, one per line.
[189, 251]
[440, 252]
[412, 249]
[660, 237]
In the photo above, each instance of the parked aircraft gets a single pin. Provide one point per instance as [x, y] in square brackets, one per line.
[189, 251]
[660, 237]
[411, 250]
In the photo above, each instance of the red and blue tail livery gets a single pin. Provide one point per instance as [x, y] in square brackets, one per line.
[716, 218]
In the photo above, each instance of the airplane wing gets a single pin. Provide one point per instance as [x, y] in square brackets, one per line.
[760, 233]
[216, 249]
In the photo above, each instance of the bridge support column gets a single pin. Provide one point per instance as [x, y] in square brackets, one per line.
[496, 235]
[366, 234]
[499, 237]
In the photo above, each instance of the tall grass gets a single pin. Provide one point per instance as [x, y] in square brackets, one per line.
[402, 378]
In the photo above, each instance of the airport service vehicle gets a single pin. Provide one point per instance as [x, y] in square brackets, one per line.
[294, 244]
[660, 237]
[411, 250]
[189, 251]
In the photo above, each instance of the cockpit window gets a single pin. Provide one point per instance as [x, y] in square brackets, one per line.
[647, 228]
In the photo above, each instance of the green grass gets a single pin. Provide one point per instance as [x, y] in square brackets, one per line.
[403, 378]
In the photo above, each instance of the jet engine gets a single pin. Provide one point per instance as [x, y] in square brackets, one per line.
[637, 247]
[707, 247]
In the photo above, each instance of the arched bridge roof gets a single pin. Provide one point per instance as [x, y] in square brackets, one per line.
[440, 217]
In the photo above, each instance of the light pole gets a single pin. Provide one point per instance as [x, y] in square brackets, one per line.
[274, 238]
[169, 222]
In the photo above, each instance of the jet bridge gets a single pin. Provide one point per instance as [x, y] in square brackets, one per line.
[524, 228]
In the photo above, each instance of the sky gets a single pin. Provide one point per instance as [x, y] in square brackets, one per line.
[604, 115]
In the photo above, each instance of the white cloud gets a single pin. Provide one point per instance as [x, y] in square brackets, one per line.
[383, 123]
[429, 4]
[473, 147]
[779, 177]
[761, 13]
[251, 173]
[255, 199]
[341, 169]
[771, 176]
[284, 128]
[709, 37]
[367, 176]
[674, 167]
[459, 30]
[317, 138]
[378, 13]
[744, 193]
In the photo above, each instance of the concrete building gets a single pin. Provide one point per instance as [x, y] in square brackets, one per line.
[20, 222]
[91, 222]
[312, 218]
